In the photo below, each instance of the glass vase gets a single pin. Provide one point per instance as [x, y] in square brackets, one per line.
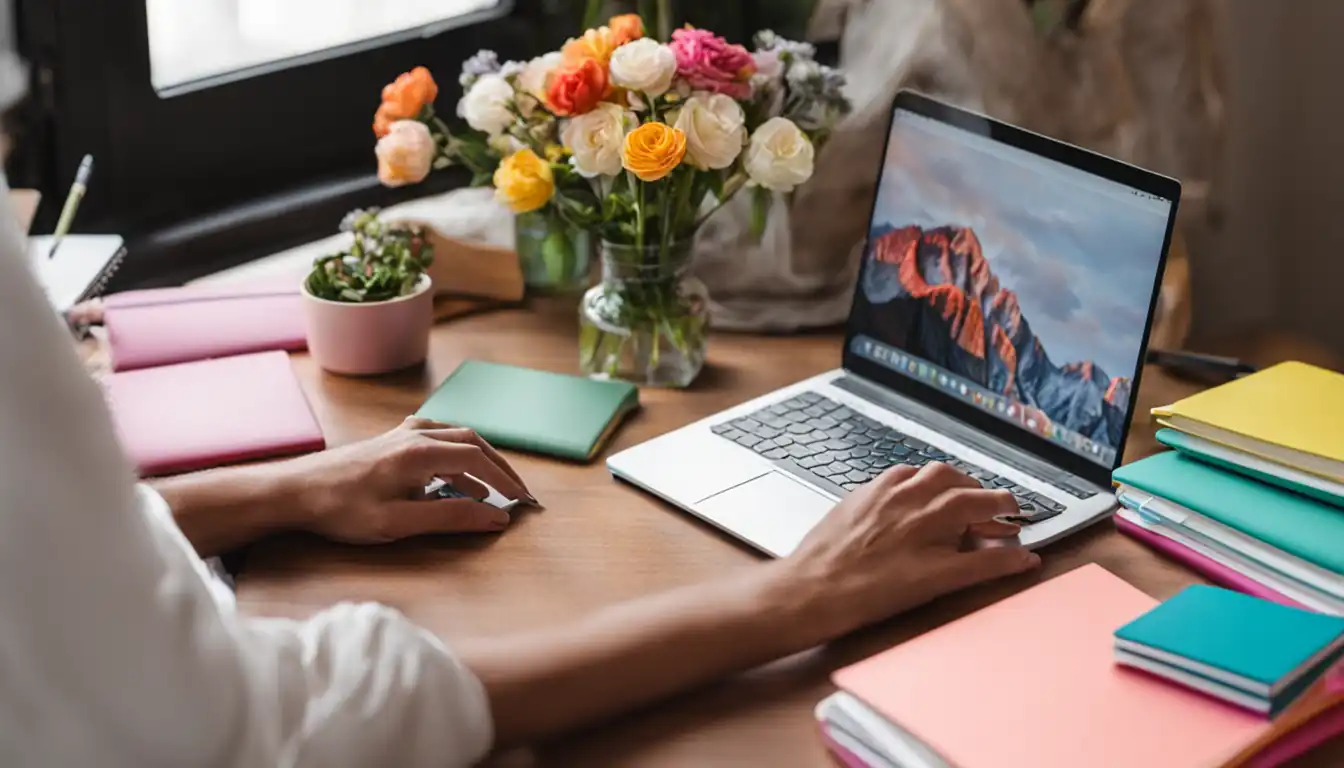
[647, 321]
[555, 255]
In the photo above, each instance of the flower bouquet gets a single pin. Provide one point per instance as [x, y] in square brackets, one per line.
[639, 142]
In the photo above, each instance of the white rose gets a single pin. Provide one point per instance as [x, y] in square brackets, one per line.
[768, 65]
[486, 107]
[532, 80]
[644, 65]
[406, 154]
[779, 156]
[715, 129]
[504, 144]
[595, 140]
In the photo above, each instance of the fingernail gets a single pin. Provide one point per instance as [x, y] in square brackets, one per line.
[501, 520]
[530, 499]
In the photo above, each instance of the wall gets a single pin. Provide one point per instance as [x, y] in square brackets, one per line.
[1277, 257]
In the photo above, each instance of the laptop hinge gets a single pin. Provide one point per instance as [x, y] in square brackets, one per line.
[963, 433]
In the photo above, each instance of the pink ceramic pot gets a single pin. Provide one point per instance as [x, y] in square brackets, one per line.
[367, 339]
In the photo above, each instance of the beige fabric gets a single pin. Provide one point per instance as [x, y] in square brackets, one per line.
[1141, 81]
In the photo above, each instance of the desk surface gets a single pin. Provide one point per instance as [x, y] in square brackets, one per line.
[599, 542]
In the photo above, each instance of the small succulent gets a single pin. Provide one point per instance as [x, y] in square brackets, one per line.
[384, 261]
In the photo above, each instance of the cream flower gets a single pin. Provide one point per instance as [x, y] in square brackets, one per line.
[594, 139]
[486, 107]
[405, 154]
[779, 156]
[645, 66]
[715, 130]
[532, 82]
[768, 65]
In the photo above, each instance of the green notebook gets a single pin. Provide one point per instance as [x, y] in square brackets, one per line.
[1252, 466]
[538, 411]
[1258, 647]
[1298, 525]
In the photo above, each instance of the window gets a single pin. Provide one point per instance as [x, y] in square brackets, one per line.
[194, 40]
[226, 129]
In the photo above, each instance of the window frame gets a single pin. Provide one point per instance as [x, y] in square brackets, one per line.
[226, 168]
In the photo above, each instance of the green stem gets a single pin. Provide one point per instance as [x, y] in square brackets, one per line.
[666, 191]
[664, 20]
[639, 214]
[684, 197]
[592, 14]
[648, 11]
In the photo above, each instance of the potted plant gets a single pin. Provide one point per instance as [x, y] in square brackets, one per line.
[368, 308]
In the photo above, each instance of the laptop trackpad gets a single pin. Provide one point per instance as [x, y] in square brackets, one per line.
[773, 511]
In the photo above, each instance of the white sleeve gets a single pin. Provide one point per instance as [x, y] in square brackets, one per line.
[113, 649]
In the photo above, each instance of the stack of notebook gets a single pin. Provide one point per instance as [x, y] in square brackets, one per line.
[1253, 495]
[1030, 682]
[1246, 651]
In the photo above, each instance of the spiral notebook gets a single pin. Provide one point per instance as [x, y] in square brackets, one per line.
[80, 268]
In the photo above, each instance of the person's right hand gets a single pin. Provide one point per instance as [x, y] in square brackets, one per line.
[902, 540]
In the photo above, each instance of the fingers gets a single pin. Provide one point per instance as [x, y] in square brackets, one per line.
[416, 424]
[414, 518]
[469, 437]
[434, 458]
[894, 477]
[993, 529]
[471, 486]
[982, 565]
[959, 508]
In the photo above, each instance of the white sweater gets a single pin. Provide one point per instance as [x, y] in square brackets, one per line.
[115, 648]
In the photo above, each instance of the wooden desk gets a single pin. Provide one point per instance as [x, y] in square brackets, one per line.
[598, 542]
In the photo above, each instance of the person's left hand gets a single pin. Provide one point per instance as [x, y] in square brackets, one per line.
[373, 491]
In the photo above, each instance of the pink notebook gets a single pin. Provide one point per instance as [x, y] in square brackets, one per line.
[1030, 682]
[174, 325]
[1214, 571]
[178, 418]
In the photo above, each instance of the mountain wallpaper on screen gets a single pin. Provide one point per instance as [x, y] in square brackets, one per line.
[932, 293]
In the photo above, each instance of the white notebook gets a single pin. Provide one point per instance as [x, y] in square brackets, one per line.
[79, 270]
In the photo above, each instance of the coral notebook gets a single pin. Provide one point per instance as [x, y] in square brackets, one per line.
[178, 418]
[162, 326]
[1029, 682]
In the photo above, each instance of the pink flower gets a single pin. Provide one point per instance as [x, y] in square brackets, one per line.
[710, 63]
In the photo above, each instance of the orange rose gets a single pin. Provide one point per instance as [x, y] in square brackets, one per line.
[652, 150]
[404, 97]
[595, 45]
[382, 121]
[577, 90]
[626, 27]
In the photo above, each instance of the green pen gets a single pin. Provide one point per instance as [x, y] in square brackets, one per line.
[71, 203]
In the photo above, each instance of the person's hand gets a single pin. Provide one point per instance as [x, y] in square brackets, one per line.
[902, 540]
[374, 491]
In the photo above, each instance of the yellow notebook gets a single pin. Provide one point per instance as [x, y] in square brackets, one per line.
[1292, 414]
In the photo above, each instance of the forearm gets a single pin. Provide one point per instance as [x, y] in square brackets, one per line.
[222, 509]
[545, 682]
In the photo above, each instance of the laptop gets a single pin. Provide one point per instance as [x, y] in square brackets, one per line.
[999, 325]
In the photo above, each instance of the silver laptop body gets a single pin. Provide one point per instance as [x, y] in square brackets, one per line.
[999, 324]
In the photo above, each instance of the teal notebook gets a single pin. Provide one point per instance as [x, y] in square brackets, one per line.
[1230, 459]
[538, 411]
[1295, 524]
[1263, 648]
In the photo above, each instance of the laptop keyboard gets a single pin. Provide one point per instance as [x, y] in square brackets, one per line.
[822, 439]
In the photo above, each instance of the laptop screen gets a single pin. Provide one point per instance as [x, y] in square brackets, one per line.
[1014, 283]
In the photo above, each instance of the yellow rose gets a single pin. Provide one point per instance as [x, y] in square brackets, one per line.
[596, 44]
[524, 182]
[652, 150]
